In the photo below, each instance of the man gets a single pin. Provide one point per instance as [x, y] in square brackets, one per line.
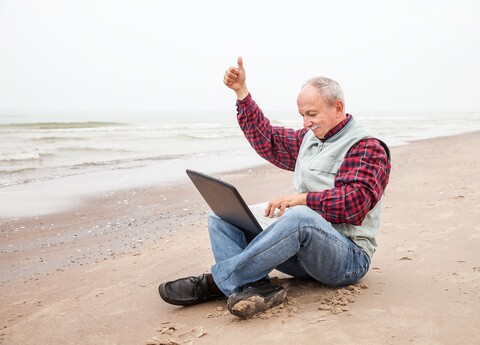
[326, 231]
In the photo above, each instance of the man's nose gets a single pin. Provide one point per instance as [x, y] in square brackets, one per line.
[306, 123]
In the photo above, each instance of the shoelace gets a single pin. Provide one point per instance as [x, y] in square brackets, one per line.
[197, 284]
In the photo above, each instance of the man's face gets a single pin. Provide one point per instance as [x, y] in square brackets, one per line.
[318, 115]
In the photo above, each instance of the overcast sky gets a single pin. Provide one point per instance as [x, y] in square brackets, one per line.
[139, 55]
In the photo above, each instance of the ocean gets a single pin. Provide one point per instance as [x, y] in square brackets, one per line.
[48, 165]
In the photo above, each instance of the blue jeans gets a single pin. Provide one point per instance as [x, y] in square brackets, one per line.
[301, 244]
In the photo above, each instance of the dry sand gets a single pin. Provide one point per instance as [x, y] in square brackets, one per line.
[90, 276]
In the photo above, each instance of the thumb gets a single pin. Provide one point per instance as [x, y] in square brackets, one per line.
[240, 62]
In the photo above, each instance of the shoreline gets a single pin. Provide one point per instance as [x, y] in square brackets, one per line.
[64, 194]
[93, 271]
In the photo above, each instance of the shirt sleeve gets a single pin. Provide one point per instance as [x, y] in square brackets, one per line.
[278, 145]
[359, 184]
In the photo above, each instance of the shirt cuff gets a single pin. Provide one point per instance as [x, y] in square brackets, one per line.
[313, 201]
[246, 101]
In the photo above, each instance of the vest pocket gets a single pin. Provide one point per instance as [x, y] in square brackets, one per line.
[329, 166]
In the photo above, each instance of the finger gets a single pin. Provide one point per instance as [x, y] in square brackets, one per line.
[233, 70]
[227, 82]
[240, 62]
[228, 79]
[272, 209]
[282, 209]
[231, 75]
[267, 209]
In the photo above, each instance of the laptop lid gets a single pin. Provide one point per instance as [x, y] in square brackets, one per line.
[225, 201]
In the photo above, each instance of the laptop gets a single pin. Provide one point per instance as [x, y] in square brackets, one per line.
[227, 203]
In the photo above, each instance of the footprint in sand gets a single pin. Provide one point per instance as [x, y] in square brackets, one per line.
[171, 334]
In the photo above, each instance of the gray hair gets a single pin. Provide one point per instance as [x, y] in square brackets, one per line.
[328, 88]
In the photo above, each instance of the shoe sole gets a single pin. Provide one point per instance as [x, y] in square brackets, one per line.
[248, 307]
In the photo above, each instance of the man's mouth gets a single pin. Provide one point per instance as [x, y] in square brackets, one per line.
[314, 128]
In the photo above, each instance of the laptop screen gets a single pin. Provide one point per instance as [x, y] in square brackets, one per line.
[225, 201]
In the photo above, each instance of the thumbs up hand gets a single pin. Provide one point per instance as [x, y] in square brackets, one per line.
[234, 79]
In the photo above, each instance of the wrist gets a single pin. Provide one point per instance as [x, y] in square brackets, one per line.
[242, 92]
[303, 199]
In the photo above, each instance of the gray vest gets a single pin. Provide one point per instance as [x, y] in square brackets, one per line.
[315, 170]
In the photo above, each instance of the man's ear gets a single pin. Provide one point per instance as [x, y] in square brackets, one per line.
[339, 108]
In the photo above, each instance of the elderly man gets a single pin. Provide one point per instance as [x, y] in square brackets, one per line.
[326, 230]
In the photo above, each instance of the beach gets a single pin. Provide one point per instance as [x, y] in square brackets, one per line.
[89, 275]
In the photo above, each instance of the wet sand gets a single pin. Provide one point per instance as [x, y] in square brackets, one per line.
[90, 275]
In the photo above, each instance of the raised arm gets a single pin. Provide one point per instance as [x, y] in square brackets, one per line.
[278, 145]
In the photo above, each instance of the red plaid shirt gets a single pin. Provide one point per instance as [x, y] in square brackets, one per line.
[359, 183]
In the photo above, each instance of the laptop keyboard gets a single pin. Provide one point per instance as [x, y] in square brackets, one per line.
[258, 211]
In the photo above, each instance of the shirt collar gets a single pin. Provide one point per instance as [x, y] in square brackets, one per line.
[337, 128]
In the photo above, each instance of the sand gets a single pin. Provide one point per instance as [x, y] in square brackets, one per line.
[90, 275]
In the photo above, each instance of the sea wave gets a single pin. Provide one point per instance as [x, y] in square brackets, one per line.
[17, 176]
[90, 149]
[23, 156]
[188, 126]
[208, 135]
[21, 175]
[38, 154]
[55, 139]
[59, 125]
[13, 171]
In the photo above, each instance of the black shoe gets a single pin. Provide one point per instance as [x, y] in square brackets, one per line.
[187, 291]
[256, 298]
